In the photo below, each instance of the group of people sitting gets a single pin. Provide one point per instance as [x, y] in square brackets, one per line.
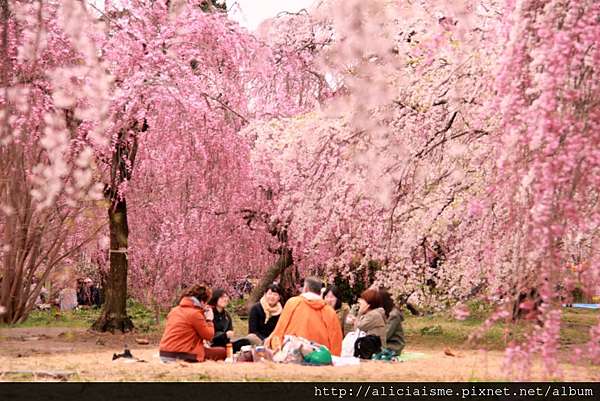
[88, 294]
[200, 327]
[85, 294]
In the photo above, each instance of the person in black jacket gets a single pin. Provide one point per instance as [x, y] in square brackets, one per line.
[87, 293]
[265, 313]
[223, 323]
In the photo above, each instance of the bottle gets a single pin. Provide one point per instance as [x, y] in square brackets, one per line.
[229, 349]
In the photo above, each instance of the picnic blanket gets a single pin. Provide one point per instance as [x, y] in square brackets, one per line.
[350, 360]
[411, 356]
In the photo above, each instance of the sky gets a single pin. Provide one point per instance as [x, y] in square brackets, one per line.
[250, 13]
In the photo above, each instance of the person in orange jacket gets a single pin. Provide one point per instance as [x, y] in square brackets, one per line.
[188, 325]
[310, 317]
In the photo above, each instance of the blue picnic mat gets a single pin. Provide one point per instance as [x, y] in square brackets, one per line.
[587, 306]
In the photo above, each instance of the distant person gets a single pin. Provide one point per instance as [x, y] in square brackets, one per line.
[394, 333]
[42, 298]
[80, 291]
[95, 293]
[87, 293]
[67, 299]
[333, 297]
[244, 287]
[371, 316]
[265, 314]
[224, 333]
[310, 317]
[188, 325]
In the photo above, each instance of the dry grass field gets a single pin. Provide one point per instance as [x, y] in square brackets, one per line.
[63, 349]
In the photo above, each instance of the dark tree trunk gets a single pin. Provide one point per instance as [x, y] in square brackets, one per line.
[413, 309]
[285, 261]
[289, 280]
[403, 301]
[114, 313]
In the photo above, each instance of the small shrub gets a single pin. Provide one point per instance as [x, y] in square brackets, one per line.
[435, 330]
[143, 318]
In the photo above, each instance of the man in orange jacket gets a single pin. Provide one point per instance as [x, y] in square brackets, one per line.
[310, 317]
[188, 325]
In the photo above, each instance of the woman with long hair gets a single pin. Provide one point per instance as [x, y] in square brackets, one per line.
[333, 296]
[224, 323]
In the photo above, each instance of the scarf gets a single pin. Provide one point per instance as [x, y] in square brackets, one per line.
[270, 310]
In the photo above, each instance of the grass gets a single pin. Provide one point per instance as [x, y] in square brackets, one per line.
[55, 318]
[576, 325]
[143, 318]
[439, 329]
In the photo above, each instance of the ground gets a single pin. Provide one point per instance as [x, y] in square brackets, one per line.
[52, 352]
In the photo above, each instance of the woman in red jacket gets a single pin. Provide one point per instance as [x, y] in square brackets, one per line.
[188, 325]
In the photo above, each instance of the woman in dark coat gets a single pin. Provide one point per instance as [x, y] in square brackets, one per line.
[265, 314]
[223, 323]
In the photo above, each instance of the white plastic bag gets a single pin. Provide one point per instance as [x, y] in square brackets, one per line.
[349, 340]
[294, 349]
[345, 360]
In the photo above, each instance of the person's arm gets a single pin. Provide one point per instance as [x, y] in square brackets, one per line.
[204, 328]
[348, 327]
[366, 322]
[254, 322]
[336, 335]
[230, 325]
[345, 312]
[220, 338]
[275, 340]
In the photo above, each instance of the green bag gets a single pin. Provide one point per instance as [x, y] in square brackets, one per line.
[322, 356]
[385, 355]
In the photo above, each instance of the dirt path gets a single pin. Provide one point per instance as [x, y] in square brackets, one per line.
[85, 356]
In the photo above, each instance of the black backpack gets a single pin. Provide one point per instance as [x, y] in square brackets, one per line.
[365, 347]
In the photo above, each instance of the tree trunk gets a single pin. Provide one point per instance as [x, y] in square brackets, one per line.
[288, 281]
[413, 309]
[285, 260]
[114, 313]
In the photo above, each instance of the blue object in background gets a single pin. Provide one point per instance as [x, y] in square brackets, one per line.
[586, 306]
